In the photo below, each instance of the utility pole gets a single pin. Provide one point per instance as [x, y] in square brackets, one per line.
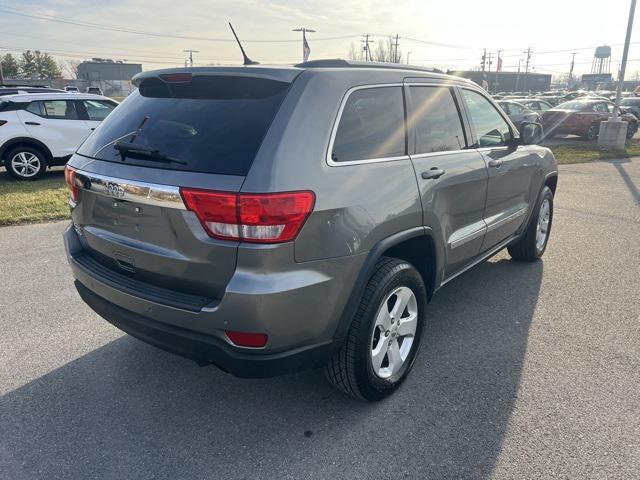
[191, 52]
[1, 73]
[518, 76]
[573, 62]
[484, 58]
[395, 50]
[409, 54]
[526, 69]
[625, 54]
[305, 45]
[366, 41]
[489, 62]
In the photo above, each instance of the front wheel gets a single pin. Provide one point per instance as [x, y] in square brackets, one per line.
[384, 336]
[632, 128]
[533, 242]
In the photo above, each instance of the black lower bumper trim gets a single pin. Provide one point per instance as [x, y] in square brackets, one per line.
[206, 349]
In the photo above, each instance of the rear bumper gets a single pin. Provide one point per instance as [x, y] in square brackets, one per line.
[206, 349]
[298, 308]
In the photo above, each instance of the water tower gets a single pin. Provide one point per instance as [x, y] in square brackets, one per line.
[602, 60]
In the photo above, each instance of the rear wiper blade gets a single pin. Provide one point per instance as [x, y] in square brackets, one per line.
[148, 153]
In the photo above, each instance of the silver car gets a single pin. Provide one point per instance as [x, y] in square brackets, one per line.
[272, 219]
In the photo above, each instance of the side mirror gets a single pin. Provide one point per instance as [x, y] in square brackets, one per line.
[531, 133]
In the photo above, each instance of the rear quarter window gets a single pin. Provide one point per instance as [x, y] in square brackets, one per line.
[371, 126]
[212, 124]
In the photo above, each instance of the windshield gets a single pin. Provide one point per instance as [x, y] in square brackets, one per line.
[210, 125]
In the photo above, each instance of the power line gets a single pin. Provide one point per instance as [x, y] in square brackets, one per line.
[113, 28]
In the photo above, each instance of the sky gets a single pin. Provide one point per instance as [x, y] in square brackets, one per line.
[444, 34]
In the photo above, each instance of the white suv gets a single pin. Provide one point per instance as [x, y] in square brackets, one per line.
[42, 130]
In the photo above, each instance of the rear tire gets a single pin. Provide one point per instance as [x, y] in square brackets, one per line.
[384, 336]
[26, 163]
[592, 132]
[532, 244]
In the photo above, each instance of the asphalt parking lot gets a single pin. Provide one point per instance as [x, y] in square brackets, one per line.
[526, 371]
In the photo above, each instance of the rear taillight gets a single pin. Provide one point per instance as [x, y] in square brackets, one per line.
[70, 178]
[250, 217]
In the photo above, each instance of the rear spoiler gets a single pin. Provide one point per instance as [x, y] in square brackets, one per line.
[279, 74]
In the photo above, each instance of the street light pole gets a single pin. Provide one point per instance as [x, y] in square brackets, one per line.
[623, 67]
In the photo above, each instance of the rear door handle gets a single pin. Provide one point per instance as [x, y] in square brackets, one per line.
[495, 163]
[31, 123]
[434, 173]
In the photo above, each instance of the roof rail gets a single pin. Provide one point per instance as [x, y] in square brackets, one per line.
[340, 63]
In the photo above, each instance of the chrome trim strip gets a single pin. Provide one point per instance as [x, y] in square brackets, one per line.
[438, 154]
[502, 221]
[334, 130]
[167, 196]
[468, 237]
[481, 259]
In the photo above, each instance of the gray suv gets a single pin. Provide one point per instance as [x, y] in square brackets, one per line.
[272, 219]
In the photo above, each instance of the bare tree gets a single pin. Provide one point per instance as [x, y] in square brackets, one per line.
[385, 51]
[355, 53]
[70, 68]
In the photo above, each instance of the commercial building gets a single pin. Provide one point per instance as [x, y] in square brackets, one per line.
[113, 77]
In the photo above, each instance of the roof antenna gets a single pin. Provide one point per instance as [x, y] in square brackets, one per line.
[247, 60]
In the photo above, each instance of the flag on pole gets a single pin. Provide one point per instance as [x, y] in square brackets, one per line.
[305, 47]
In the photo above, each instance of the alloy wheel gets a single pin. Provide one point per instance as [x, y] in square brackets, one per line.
[542, 229]
[26, 164]
[394, 332]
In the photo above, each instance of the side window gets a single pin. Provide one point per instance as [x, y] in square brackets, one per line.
[371, 126]
[601, 107]
[98, 110]
[35, 108]
[490, 128]
[515, 109]
[60, 109]
[505, 107]
[436, 120]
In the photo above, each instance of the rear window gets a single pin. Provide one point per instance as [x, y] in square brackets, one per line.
[210, 124]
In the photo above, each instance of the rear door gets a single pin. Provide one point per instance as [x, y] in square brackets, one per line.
[131, 216]
[452, 177]
[511, 169]
[57, 124]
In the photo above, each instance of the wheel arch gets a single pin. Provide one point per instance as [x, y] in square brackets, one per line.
[25, 141]
[551, 181]
[416, 246]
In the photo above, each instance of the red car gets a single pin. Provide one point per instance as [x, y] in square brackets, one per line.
[583, 117]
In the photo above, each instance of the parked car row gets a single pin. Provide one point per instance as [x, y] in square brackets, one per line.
[40, 130]
[582, 117]
[579, 116]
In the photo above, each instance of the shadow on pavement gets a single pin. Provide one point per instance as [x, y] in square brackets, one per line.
[127, 410]
[628, 181]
